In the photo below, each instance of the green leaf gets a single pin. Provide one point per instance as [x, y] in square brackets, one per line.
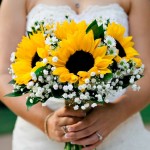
[29, 104]
[29, 33]
[39, 71]
[14, 94]
[108, 76]
[12, 82]
[97, 30]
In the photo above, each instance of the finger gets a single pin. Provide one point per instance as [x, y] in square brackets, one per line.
[82, 133]
[63, 121]
[81, 125]
[63, 112]
[87, 141]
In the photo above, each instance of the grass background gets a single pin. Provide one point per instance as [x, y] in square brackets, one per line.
[7, 119]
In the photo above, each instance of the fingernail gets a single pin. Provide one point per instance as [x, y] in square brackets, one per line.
[67, 135]
[70, 129]
[72, 143]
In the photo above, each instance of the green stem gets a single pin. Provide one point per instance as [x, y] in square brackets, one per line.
[69, 146]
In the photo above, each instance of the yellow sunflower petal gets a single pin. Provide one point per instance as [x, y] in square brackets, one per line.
[130, 52]
[104, 71]
[100, 51]
[60, 70]
[43, 52]
[68, 77]
[83, 74]
[102, 63]
[138, 61]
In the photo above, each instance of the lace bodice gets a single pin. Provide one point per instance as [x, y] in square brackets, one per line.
[50, 13]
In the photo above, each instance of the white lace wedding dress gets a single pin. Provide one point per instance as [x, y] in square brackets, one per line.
[130, 135]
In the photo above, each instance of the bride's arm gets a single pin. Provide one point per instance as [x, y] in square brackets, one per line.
[112, 115]
[12, 28]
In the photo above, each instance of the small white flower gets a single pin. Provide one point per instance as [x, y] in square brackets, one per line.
[100, 99]
[82, 96]
[93, 105]
[55, 86]
[94, 87]
[31, 101]
[89, 87]
[101, 76]
[129, 70]
[77, 100]
[65, 95]
[70, 87]
[87, 105]
[110, 41]
[53, 68]
[134, 87]
[107, 100]
[93, 74]
[99, 87]
[112, 51]
[45, 61]
[65, 88]
[83, 107]
[45, 72]
[131, 80]
[82, 87]
[87, 93]
[121, 82]
[48, 78]
[76, 107]
[33, 75]
[87, 80]
[60, 86]
[70, 96]
[93, 80]
[107, 86]
[138, 76]
[47, 41]
[30, 84]
[12, 57]
[55, 59]
[40, 78]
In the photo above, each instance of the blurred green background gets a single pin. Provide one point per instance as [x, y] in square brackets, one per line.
[7, 119]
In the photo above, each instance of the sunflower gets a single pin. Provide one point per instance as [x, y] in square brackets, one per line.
[28, 55]
[66, 28]
[79, 56]
[123, 44]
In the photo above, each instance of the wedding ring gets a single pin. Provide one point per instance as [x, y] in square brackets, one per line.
[65, 129]
[100, 137]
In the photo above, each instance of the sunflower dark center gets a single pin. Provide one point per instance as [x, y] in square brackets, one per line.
[35, 59]
[121, 49]
[80, 61]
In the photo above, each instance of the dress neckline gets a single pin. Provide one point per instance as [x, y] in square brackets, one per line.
[73, 11]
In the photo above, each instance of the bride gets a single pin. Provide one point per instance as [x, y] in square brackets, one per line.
[117, 126]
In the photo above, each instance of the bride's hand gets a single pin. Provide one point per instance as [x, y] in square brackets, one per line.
[96, 126]
[61, 118]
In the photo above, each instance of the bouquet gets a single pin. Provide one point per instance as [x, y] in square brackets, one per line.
[82, 63]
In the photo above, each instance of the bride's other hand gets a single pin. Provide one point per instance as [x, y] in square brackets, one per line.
[61, 118]
[96, 126]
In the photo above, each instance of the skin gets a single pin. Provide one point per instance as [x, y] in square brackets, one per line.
[78, 125]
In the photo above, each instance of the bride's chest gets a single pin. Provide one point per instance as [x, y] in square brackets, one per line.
[59, 13]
